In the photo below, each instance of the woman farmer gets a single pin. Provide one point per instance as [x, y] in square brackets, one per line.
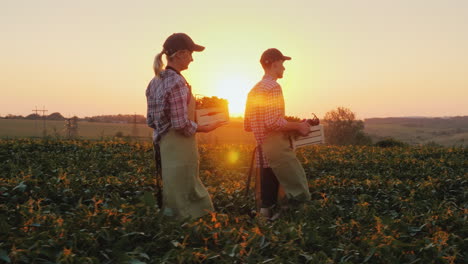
[171, 113]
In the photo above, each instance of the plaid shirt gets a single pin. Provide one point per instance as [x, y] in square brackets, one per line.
[264, 111]
[168, 97]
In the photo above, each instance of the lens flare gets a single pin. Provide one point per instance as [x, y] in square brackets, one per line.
[233, 156]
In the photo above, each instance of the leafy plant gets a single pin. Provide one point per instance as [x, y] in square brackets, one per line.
[80, 201]
[208, 102]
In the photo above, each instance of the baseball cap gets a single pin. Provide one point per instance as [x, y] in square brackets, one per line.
[180, 41]
[271, 55]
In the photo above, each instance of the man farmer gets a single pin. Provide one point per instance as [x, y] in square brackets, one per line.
[265, 117]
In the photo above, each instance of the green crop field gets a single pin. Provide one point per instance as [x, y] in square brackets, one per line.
[93, 202]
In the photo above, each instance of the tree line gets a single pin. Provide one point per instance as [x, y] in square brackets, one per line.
[140, 119]
[340, 125]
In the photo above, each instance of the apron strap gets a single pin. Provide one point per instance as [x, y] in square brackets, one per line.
[260, 154]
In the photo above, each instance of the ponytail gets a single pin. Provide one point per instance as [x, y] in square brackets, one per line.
[158, 64]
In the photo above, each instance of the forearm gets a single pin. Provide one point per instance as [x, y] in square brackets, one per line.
[291, 126]
[187, 128]
[210, 127]
[202, 129]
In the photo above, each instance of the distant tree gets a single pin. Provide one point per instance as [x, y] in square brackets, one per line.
[390, 142]
[342, 128]
[10, 116]
[33, 116]
[140, 119]
[55, 116]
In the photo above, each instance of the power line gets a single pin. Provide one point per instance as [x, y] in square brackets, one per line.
[44, 132]
[35, 118]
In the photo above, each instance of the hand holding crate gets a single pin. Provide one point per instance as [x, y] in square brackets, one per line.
[210, 110]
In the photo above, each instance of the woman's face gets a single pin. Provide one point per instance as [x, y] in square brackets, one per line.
[185, 58]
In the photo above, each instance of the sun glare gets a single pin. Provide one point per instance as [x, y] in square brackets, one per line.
[233, 156]
[235, 89]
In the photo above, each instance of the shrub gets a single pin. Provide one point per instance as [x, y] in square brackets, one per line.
[390, 142]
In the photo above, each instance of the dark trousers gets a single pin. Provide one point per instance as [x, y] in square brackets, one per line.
[269, 187]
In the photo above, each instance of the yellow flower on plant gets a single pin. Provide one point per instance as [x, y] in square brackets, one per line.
[67, 252]
[60, 221]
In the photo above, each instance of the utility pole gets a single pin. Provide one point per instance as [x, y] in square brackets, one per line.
[135, 129]
[44, 119]
[72, 127]
[35, 118]
[44, 132]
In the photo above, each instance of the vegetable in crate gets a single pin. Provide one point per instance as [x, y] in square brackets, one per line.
[211, 110]
[314, 121]
[209, 102]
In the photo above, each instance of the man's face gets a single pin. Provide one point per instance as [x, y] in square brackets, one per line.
[278, 68]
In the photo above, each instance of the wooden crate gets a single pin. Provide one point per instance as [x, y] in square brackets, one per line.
[212, 115]
[315, 136]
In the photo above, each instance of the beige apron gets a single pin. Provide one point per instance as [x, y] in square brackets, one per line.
[183, 193]
[287, 168]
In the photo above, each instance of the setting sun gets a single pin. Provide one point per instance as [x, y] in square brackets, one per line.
[234, 89]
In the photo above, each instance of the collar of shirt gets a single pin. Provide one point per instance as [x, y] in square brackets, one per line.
[269, 83]
[268, 77]
[170, 68]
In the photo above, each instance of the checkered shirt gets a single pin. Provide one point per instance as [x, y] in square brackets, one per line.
[264, 111]
[167, 99]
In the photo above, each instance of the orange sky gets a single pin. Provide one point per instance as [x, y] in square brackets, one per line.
[378, 58]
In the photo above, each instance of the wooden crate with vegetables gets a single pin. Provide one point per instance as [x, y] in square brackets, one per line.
[211, 110]
[315, 136]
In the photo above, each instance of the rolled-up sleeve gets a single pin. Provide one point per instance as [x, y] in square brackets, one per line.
[178, 97]
[274, 111]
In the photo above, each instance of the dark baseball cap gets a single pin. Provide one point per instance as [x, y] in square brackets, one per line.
[180, 41]
[271, 55]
